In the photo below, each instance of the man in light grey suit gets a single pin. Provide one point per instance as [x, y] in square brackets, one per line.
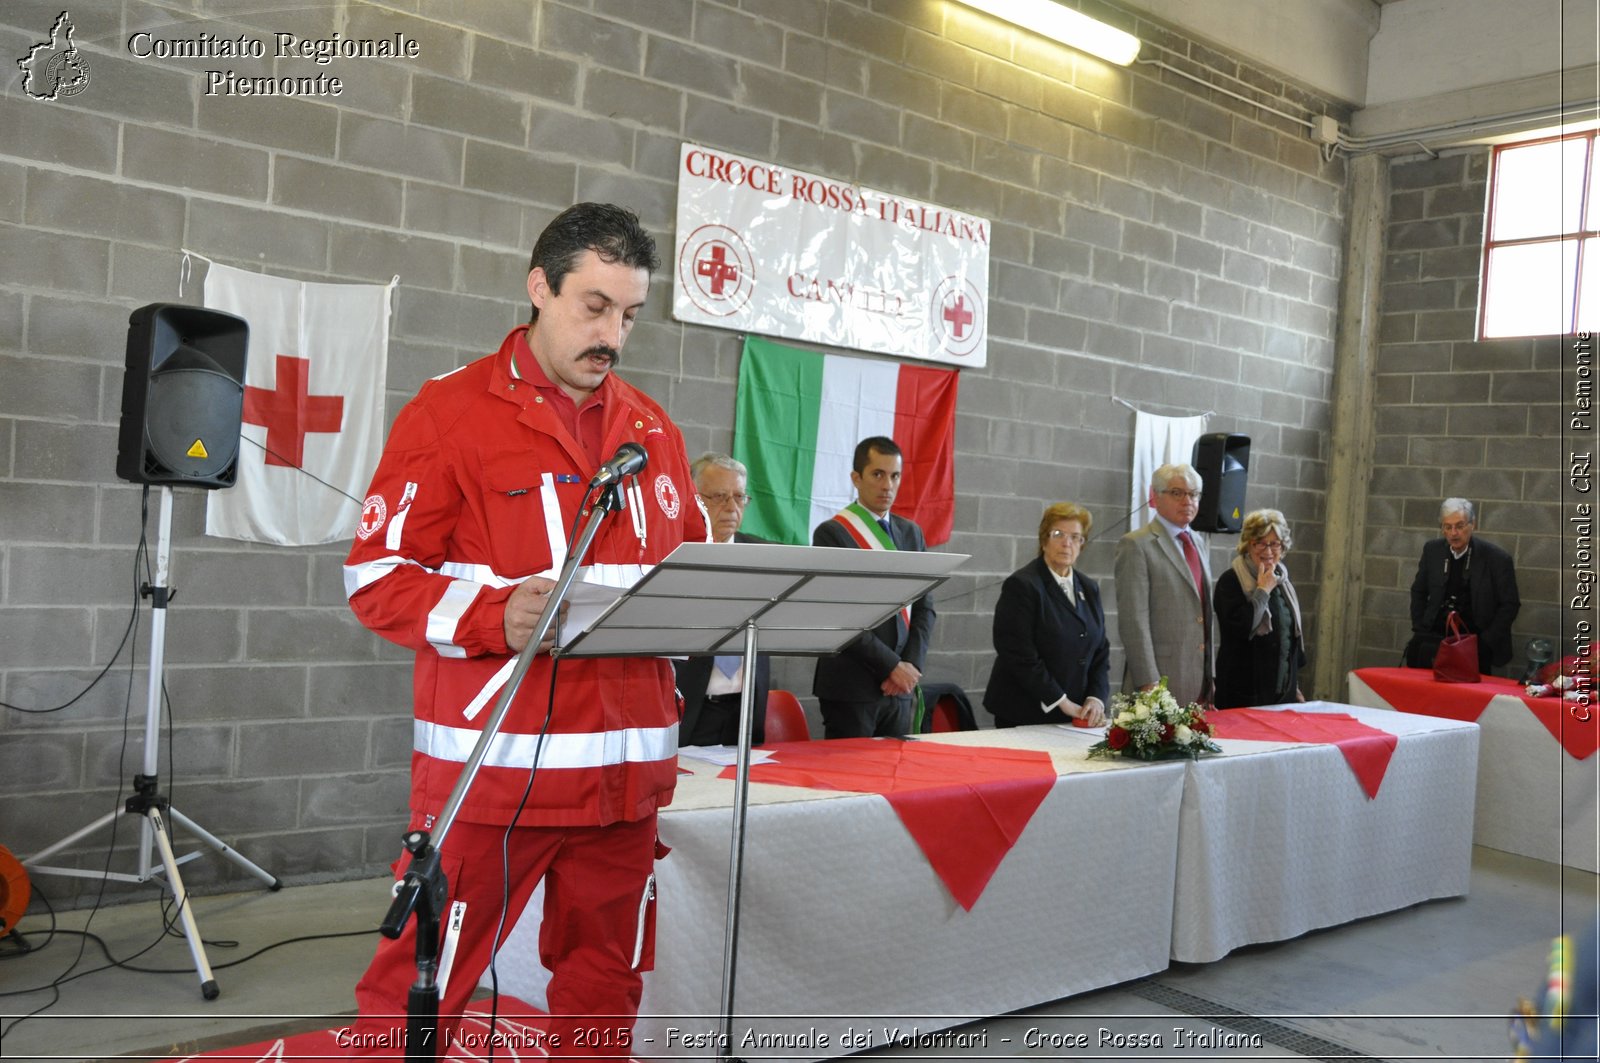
[1164, 593]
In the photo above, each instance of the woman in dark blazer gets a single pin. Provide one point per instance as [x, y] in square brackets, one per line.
[1052, 656]
[1260, 650]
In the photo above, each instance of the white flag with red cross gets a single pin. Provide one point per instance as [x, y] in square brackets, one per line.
[313, 406]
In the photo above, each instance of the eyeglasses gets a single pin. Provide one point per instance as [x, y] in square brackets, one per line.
[1274, 547]
[1181, 495]
[723, 498]
[1073, 537]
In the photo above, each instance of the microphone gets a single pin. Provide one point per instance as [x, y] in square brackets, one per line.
[630, 460]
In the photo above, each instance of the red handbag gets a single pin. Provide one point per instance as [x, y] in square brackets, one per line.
[1457, 659]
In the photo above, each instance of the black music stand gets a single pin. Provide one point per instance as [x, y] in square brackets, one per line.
[802, 601]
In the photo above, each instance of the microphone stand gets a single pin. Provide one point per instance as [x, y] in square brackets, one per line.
[424, 890]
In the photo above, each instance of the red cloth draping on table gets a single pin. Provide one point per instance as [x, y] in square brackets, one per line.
[1414, 690]
[965, 806]
[1366, 749]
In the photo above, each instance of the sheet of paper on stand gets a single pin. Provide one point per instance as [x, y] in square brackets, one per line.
[587, 600]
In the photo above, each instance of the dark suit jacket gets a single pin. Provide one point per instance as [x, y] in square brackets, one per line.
[694, 673]
[1491, 591]
[1045, 648]
[857, 672]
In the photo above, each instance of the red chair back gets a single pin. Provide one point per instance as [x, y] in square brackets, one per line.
[946, 717]
[786, 720]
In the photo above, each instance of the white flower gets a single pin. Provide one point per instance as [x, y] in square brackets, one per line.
[1142, 711]
[1182, 735]
[1123, 719]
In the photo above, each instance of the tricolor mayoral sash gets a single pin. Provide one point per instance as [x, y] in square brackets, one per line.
[869, 535]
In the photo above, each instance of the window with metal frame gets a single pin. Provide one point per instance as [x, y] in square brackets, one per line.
[1541, 246]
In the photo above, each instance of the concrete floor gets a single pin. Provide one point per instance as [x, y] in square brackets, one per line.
[1433, 982]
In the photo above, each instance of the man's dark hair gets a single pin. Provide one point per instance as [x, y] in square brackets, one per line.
[882, 444]
[612, 232]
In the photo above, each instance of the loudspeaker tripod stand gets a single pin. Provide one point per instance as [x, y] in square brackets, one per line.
[148, 803]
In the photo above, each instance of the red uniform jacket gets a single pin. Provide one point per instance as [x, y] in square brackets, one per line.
[479, 486]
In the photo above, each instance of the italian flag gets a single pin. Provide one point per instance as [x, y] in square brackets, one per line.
[799, 416]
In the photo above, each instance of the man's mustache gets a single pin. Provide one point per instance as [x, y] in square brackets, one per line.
[605, 351]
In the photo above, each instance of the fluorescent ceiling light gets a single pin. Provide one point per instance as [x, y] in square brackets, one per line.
[1065, 25]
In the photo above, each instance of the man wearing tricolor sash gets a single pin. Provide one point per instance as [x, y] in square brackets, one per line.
[867, 688]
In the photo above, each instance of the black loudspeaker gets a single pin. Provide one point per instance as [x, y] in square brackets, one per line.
[182, 396]
[1223, 462]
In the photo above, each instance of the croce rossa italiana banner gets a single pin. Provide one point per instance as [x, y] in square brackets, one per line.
[780, 252]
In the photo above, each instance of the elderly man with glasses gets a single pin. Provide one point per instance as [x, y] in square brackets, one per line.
[710, 686]
[1163, 585]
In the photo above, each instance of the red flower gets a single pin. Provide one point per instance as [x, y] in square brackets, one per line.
[1167, 732]
[1116, 737]
[1199, 726]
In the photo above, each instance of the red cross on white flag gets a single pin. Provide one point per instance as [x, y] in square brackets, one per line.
[313, 406]
[288, 413]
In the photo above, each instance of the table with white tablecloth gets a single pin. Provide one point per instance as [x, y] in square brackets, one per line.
[1276, 841]
[1536, 797]
[844, 924]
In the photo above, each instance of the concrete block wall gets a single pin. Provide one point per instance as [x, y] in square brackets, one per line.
[1153, 242]
[1456, 416]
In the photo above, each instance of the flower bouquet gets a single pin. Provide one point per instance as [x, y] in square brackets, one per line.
[1151, 725]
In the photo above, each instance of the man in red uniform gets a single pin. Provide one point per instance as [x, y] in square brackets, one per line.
[461, 536]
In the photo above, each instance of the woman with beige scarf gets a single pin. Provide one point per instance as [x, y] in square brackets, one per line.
[1260, 651]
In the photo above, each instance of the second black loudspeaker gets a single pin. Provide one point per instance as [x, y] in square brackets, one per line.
[1223, 461]
[182, 396]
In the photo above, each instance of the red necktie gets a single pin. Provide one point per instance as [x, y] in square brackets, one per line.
[1191, 555]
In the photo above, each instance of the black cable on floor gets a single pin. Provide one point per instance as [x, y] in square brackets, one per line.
[167, 929]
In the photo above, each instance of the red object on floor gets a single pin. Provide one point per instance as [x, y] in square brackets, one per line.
[1366, 749]
[518, 1035]
[965, 806]
[1414, 690]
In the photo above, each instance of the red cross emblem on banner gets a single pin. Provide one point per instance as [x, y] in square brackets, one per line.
[717, 268]
[716, 272]
[289, 412]
[958, 316]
